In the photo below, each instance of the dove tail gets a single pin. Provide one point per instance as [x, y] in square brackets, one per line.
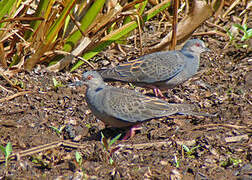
[200, 114]
[184, 108]
[187, 109]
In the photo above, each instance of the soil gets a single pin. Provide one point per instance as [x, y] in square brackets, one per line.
[220, 147]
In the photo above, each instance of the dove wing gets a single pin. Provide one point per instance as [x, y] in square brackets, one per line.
[155, 67]
[131, 106]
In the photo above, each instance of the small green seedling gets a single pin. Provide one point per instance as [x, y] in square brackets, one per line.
[79, 161]
[247, 33]
[132, 85]
[20, 84]
[40, 162]
[57, 84]
[230, 162]
[231, 36]
[107, 143]
[78, 158]
[7, 150]
[88, 126]
[176, 161]
[190, 152]
[58, 130]
[234, 38]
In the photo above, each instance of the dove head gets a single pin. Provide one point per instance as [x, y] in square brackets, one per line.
[92, 79]
[195, 46]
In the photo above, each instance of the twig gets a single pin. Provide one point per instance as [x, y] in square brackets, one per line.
[15, 95]
[70, 54]
[174, 25]
[231, 7]
[138, 17]
[22, 19]
[215, 25]
[211, 33]
[198, 14]
[121, 49]
[215, 125]
[5, 89]
[44, 147]
[10, 82]
[154, 144]
[144, 145]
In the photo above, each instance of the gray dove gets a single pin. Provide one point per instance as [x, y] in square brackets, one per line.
[160, 70]
[118, 107]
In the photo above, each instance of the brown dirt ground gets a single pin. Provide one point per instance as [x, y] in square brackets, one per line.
[222, 86]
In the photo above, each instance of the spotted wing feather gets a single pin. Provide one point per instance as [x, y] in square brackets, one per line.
[131, 106]
[156, 67]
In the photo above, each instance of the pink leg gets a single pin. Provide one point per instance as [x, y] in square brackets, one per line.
[158, 93]
[131, 133]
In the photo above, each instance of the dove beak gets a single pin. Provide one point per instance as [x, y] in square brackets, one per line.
[207, 50]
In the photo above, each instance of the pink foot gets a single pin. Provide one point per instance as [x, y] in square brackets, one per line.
[158, 93]
[131, 133]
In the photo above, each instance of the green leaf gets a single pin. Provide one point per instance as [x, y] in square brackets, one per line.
[102, 135]
[141, 7]
[230, 161]
[66, 24]
[40, 12]
[240, 27]
[117, 34]
[177, 164]
[185, 148]
[249, 33]
[104, 142]
[244, 37]
[55, 129]
[245, 27]
[88, 126]
[157, 9]
[6, 7]
[194, 148]
[111, 161]
[8, 149]
[114, 140]
[85, 23]
[176, 161]
[2, 148]
[55, 82]
[234, 161]
[230, 35]
[78, 157]
[140, 10]
[54, 29]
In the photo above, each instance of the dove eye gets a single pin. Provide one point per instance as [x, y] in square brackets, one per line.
[197, 44]
[90, 77]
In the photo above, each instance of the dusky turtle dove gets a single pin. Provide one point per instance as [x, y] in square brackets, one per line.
[118, 107]
[160, 70]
